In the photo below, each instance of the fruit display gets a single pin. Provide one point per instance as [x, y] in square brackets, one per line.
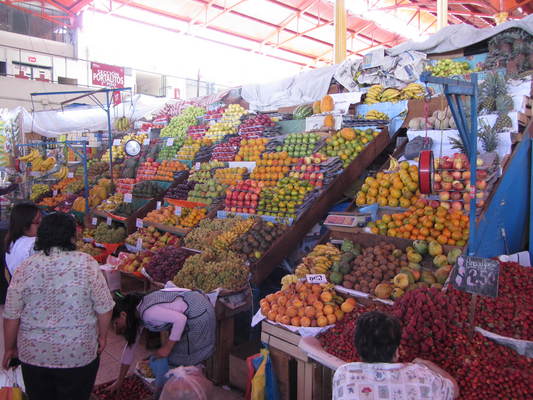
[207, 192]
[319, 260]
[258, 239]
[447, 67]
[180, 191]
[260, 124]
[169, 152]
[211, 270]
[125, 185]
[395, 189]
[373, 95]
[95, 170]
[251, 149]
[226, 151]
[191, 216]
[189, 149]
[106, 234]
[232, 115]
[148, 189]
[177, 128]
[53, 201]
[425, 222]
[166, 262]
[88, 248]
[452, 182]
[215, 114]
[122, 124]
[413, 91]
[239, 228]
[63, 183]
[202, 237]
[134, 262]
[152, 239]
[348, 143]
[306, 305]
[302, 112]
[300, 144]
[243, 197]
[73, 187]
[117, 152]
[286, 199]
[377, 115]
[230, 176]
[167, 169]
[310, 169]
[38, 190]
[206, 171]
[197, 131]
[164, 216]
[440, 119]
[61, 173]
[218, 130]
[272, 167]
[147, 170]
[111, 203]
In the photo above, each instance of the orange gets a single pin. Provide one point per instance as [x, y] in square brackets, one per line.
[351, 300]
[311, 299]
[322, 321]
[347, 307]
[292, 311]
[328, 309]
[295, 321]
[316, 289]
[278, 318]
[305, 321]
[282, 310]
[309, 311]
[326, 297]
[285, 320]
[301, 312]
[331, 318]
[282, 300]
[318, 305]
[339, 314]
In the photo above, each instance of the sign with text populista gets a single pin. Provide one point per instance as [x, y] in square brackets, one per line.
[107, 75]
[476, 275]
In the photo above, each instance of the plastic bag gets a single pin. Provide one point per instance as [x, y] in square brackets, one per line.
[186, 383]
[262, 383]
[10, 389]
[159, 368]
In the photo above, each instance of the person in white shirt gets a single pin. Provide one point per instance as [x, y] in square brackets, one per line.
[380, 376]
[20, 239]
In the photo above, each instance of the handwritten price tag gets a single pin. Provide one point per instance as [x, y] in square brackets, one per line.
[177, 211]
[146, 142]
[109, 221]
[54, 193]
[197, 166]
[94, 221]
[476, 275]
[316, 278]
[139, 223]
[139, 244]
[116, 142]
[70, 175]
[127, 198]
[158, 205]
[170, 141]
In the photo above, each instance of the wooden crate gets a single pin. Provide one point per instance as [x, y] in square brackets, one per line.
[299, 377]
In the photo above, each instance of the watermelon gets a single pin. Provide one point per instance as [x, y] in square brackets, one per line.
[302, 112]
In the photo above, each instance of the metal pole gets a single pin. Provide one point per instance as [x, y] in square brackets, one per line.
[473, 166]
[109, 135]
[442, 14]
[340, 31]
[85, 178]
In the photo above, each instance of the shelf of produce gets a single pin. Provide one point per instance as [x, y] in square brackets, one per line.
[167, 228]
[311, 379]
[319, 209]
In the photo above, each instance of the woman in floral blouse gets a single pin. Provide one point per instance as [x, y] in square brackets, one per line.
[57, 315]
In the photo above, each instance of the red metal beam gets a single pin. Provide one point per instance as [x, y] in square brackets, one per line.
[42, 14]
[224, 11]
[432, 8]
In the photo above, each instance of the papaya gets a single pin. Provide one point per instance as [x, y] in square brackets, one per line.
[329, 121]
[316, 107]
[326, 104]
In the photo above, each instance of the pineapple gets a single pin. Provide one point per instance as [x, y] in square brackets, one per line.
[490, 89]
[504, 103]
[489, 137]
[457, 144]
[503, 121]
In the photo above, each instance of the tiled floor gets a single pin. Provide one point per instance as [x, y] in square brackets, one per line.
[110, 362]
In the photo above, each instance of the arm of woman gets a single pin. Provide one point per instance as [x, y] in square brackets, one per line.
[160, 314]
[11, 329]
[12, 313]
[125, 362]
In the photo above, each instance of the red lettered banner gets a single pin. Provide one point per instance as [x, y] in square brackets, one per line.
[117, 98]
[107, 75]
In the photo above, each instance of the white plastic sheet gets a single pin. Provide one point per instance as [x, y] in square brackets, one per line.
[303, 88]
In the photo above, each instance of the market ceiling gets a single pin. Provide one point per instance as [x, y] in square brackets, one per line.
[298, 31]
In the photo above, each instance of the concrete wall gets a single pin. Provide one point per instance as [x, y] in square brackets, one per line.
[32, 43]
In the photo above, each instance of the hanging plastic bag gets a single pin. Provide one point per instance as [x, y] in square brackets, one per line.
[10, 389]
[186, 383]
[262, 384]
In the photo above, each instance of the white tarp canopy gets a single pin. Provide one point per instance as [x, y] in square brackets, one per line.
[303, 88]
[455, 37]
[93, 118]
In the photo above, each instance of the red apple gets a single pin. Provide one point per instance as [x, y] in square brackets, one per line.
[481, 185]
[458, 163]
[447, 185]
[481, 174]
[457, 205]
[437, 186]
[437, 177]
[457, 175]
[434, 203]
[443, 196]
[445, 204]
[456, 195]
[458, 185]
[466, 197]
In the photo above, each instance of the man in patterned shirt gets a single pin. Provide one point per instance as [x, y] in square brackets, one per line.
[379, 376]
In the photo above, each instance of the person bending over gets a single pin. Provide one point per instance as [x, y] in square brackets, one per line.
[380, 376]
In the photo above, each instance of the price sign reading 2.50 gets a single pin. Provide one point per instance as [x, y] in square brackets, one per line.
[476, 275]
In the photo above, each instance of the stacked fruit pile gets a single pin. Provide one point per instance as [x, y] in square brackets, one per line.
[305, 304]
[393, 189]
[148, 189]
[348, 143]
[230, 176]
[286, 199]
[424, 222]
[257, 125]
[448, 67]
[88, 248]
[63, 183]
[167, 169]
[300, 144]
[178, 126]
[166, 263]
[258, 239]
[190, 217]
[169, 152]
[106, 234]
[214, 114]
[226, 151]
[180, 191]
[38, 190]
[164, 216]
[232, 115]
[189, 149]
[147, 170]
[202, 237]
[207, 192]
[218, 130]
[53, 201]
[211, 270]
[251, 149]
[310, 169]
[272, 167]
[134, 262]
[151, 239]
[111, 202]
[319, 260]
[243, 197]
[125, 185]
[197, 131]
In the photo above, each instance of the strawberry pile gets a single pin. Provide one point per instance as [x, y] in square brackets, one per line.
[132, 388]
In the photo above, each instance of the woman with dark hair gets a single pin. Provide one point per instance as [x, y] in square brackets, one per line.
[379, 375]
[20, 239]
[57, 314]
[187, 314]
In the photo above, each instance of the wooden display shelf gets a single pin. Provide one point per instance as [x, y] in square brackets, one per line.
[167, 228]
[283, 246]
[128, 222]
[299, 377]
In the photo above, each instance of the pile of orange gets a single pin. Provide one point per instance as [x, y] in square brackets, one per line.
[251, 149]
[63, 183]
[305, 304]
[165, 172]
[423, 222]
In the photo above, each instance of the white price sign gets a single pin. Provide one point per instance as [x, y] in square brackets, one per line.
[127, 198]
[94, 221]
[109, 221]
[116, 142]
[54, 193]
[177, 211]
[197, 166]
[316, 278]
[158, 205]
[170, 141]
[139, 223]
[70, 175]
[139, 244]
[146, 142]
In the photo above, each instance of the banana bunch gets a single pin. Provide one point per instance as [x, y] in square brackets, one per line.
[319, 261]
[394, 165]
[42, 165]
[390, 95]
[224, 240]
[122, 124]
[413, 91]
[378, 115]
[32, 155]
[61, 174]
[374, 94]
[287, 280]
